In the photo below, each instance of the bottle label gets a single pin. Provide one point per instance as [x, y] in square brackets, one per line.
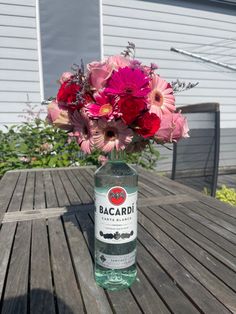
[116, 215]
[116, 261]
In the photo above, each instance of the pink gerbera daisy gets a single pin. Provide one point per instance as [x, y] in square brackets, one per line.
[83, 130]
[128, 82]
[161, 97]
[112, 135]
[104, 106]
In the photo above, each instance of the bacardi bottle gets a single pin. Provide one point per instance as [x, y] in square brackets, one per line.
[115, 224]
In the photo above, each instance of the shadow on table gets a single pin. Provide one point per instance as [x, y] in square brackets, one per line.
[39, 301]
[85, 221]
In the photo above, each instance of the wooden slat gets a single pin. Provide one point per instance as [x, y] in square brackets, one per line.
[60, 190]
[210, 262]
[214, 221]
[198, 233]
[146, 296]
[39, 195]
[85, 176]
[159, 190]
[80, 187]
[177, 188]
[212, 231]
[67, 291]
[28, 199]
[16, 290]
[94, 297]
[51, 199]
[41, 289]
[18, 194]
[46, 213]
[7, 186]
[164, 285]
[219, 218]
[123, 300]
[72, 195]
[186, 271]
[7, 234]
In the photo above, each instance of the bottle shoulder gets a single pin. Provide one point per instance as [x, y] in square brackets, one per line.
[117, 168]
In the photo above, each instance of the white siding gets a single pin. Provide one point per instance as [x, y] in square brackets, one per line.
[19, 69]
[156, 26]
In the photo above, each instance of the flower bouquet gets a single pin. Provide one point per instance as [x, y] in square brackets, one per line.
[117, 103]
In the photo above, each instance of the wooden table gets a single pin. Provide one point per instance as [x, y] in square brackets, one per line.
[186, 247]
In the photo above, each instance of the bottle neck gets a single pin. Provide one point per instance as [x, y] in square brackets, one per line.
[117, 156]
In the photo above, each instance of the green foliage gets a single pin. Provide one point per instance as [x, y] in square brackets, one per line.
[147, 158]
[227, 195]
[36, 144]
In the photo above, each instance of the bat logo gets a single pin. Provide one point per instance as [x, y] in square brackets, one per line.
[117, 195]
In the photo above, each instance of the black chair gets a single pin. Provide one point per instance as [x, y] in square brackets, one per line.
[196, 159]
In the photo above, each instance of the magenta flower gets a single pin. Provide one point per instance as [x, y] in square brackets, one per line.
[128, 82]
[104, 106]
[112, 135]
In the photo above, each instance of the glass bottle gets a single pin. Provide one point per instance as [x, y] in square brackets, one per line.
[115, 223]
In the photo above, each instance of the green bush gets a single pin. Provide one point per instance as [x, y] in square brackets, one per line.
[227, 195]
[36, 144]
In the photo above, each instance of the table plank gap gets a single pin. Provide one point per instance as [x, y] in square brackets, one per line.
[68, 294]
[94, 297]
[79, 187]
[218, 206]
[41, 287]
[219, 270]
[176, 188]
[147, 297]
[28, 197]
[199, 235]
[61, 193]
[7, 236]
[7, 187]
[86, 179]
[70, 191]
[16, 291]
[172, 295]
[50, 193]
[207, 291]
[181, 213]
[192, 211]
[228, 223]
[15, 204]
[40, 195]
[149, 182]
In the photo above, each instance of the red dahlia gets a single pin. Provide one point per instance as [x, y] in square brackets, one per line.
[147, 124]
[66, 95]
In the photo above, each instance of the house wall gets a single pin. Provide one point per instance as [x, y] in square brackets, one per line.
[70, 31]
[19, 69]
[39, 40]
[155, 27]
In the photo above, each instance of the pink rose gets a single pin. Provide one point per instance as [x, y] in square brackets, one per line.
[58, 116]
[99, 73]
[118, 62]
[173, 127]
[65, 77]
